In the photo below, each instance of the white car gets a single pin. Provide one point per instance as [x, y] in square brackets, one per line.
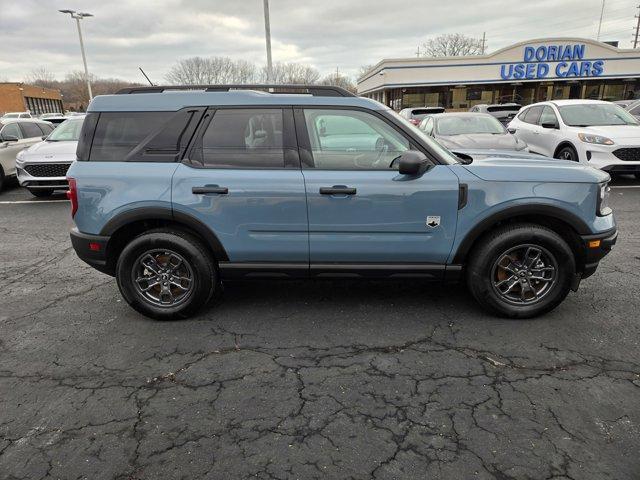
[16, 135]
[593, 132]
[42, 168]
[10, 115]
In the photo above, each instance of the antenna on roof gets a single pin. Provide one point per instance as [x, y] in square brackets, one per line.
[145, 76]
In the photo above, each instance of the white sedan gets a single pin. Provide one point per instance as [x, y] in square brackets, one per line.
[597, 133]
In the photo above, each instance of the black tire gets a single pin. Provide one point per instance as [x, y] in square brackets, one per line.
[483, 271]
[1, 178]
[637, 175]
[41, 192]
[567, 153]
[197, 264]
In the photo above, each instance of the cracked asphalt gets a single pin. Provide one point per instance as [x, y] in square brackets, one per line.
[311, 380]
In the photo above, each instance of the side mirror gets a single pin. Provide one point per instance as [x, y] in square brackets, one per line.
[9, 138]
[549, 125]
[511, 130]
[413, 163]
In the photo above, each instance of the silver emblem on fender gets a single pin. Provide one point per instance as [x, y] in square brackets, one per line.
[433, 221]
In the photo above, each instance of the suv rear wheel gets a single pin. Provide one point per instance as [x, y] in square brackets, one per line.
[166, 274]
[521, 271]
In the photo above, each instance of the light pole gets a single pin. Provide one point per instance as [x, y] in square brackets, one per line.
[79, 16]
[267, 35]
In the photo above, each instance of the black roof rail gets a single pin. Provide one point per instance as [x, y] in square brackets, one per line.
[315, 90]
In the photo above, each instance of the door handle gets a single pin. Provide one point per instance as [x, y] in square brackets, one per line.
[210, 189]
[338, 190]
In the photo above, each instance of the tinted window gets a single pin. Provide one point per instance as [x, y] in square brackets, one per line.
[11, 130]
[352, 140]
[117, 134]
[30, 129]
[242, 138]
[532, 115]
[46, 128]
[548, 116]
[635, 110]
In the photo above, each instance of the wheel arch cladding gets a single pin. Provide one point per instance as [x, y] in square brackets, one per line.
[128, 225]
[564, 143]
[565, 224]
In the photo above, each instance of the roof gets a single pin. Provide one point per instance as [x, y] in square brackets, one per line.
[178, 99]
[576, 101]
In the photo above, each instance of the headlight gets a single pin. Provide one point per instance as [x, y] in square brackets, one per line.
[20, 156]
[597, 139]
[604, 191]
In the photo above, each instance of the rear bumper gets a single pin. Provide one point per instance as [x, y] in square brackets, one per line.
[595, 248]
[92, 249]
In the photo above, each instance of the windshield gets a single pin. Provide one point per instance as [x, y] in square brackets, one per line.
[595, 114]
[445, 154]
[462, 125]
[67, 131]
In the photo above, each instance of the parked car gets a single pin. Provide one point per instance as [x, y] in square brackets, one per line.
[173, 193]
[16, 135]
[504, 112]
[470, 130]
[634, 109]
[42, 168]
[593, 132]
[15, 115]
[416, 114]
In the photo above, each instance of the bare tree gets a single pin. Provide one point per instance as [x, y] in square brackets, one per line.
[339, 80]
[451, 45]
[41, 77]
[298, 73]
[363, 70]
[213, 70]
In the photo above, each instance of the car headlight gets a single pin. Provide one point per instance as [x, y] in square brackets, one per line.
[20, 157]
[604, 191]
[597, 139]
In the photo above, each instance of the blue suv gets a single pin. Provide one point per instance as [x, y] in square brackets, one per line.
[177, 189]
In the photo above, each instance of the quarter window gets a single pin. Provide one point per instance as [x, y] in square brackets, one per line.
[352, 140]
[242, 138]
[117, 134]
[11, 130]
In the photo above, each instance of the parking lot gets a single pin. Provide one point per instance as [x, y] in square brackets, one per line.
[311, 380]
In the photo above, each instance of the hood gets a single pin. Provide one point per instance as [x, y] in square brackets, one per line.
[51, 151]
[481, 141]
[614, 131]
[532, 169]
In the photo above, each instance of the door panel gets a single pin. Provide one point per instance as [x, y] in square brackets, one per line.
[246, 185]
[385, 221]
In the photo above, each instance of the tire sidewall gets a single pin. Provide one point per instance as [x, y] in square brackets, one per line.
[203, 272]
[481, 274]
[573, 151]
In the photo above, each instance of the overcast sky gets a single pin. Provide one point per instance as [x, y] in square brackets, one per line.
[125, 34]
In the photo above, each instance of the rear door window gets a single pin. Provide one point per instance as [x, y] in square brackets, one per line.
[242, 138]
[532, 115]
[30, 129]
[11, 130]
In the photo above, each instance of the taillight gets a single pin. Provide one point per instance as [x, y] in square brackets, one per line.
[72, 195]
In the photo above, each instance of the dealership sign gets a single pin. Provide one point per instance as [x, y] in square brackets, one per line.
[565, 61]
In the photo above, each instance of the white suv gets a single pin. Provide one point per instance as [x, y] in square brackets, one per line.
[597, 133]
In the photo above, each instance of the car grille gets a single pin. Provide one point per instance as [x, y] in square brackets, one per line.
[48, 170]
[628, 154]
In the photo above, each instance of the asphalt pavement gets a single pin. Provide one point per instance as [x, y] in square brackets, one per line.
[319, 379]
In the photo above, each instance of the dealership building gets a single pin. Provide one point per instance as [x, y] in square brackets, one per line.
[527, 72]
[20, 97]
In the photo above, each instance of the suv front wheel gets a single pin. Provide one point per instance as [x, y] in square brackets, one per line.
[166, 274]
[521, 271]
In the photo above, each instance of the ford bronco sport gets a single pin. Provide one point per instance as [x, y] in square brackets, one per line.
[177, 189]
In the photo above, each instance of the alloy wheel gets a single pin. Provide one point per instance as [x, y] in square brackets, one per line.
[524, 274]
[163, 277]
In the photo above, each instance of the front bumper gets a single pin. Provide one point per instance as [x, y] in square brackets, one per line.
[595, 247]
[604, 158]
[92, 249]
[44, 175]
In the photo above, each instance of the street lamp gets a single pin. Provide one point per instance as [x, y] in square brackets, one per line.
[79, 16]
